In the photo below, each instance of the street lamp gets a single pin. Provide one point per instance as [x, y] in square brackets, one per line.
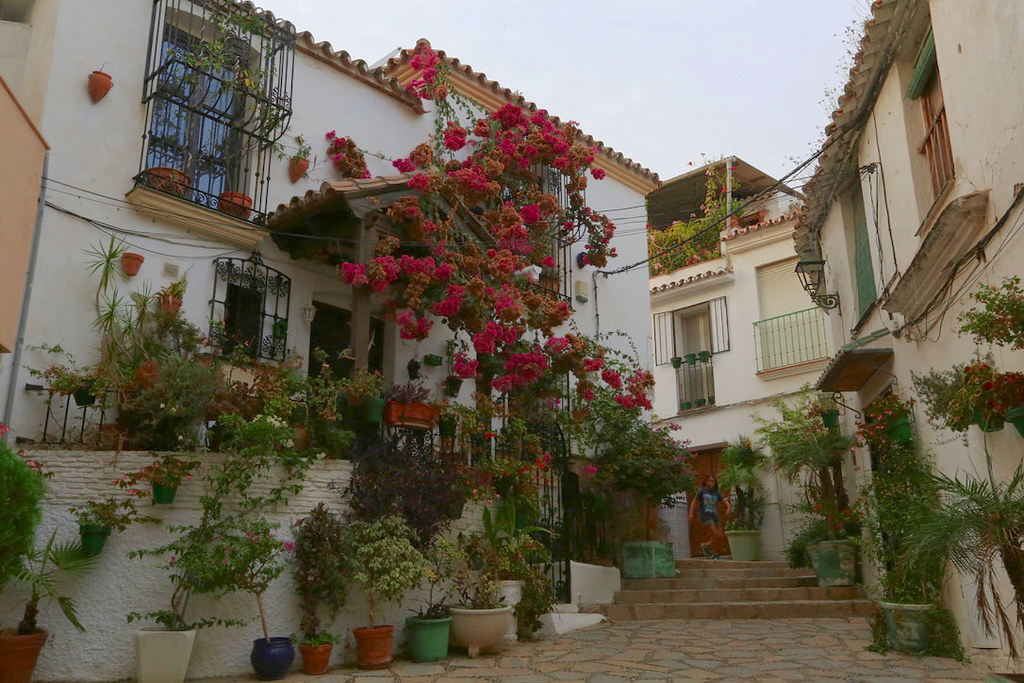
[812, 277]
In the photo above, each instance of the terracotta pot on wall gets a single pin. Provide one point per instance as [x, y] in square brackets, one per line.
[237, 204]
[297, 169]
[169, 180]
[99, 85]
[131, 262]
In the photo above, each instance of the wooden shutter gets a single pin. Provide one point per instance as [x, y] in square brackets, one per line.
[862, 253]
[924, 67]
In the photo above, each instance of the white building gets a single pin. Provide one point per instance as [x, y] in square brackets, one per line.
[746, 321]
[916, 201]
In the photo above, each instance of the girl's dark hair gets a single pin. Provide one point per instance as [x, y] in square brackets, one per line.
[704, 481]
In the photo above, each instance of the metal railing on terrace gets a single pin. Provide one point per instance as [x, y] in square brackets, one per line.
[790, 339]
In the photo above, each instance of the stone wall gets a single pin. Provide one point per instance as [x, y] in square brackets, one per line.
[119, 585]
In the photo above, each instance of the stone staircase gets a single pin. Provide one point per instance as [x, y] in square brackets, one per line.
[727, 589]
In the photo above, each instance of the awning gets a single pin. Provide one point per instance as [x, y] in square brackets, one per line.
[851, 369]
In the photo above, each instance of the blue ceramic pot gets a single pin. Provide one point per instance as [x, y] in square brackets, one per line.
[271, 660]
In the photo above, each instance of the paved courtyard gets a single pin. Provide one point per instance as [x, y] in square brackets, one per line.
[683, 650]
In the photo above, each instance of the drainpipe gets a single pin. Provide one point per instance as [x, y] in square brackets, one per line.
[26, 298]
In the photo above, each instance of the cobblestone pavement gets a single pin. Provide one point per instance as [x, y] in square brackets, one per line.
[678, 650]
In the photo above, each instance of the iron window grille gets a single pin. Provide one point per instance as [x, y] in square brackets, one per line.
[668, 342]
[249, 307]
[558, 279]
[218, 91]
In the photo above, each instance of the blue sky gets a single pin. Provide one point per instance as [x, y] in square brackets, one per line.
[660, 80]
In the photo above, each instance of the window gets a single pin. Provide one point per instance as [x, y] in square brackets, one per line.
[557, 279]
[864, 276]
[218, 92]
[702, 327]
[249, 308]
[788, 333]
[927, 85]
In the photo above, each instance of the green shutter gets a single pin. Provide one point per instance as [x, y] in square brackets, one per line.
[924, 68]
[862, 253]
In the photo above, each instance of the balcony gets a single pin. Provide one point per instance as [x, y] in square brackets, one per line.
[696, 382]
[790, 340]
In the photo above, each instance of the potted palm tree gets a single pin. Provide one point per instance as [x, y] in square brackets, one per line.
[386, 564]
[741, 462]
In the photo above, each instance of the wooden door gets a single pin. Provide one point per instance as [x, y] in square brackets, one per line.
[705, 463]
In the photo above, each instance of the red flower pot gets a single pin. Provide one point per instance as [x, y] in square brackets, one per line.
[297, 169]
[236, 204]
[131, 262]
[373, 646]
[169, 180]
[18, 655]
[416, 415]
[315, 660]
[170, 304]
[99, 85]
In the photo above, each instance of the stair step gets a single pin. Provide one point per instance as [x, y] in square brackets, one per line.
[684, 583]
[793, 609]
[705, 563]
[634, 597]
[721, 571]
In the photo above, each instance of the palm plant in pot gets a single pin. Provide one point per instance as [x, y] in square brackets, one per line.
[321, 579]
[386, 564]
[810, 454]
[741, 462]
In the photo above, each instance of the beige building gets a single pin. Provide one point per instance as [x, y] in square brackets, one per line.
[918, 199]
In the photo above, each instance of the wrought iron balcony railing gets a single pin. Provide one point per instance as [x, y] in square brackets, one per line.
[696, 381]
[790, 339]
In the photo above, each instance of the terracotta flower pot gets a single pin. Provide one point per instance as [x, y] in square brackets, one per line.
[169, 180]
[170, 304]
[131, 262]
[237, 204]
[315, 660]
[99, 85]
[414, 415]
[18, 655]
[373, 646]
[300, 440]
[297, 169]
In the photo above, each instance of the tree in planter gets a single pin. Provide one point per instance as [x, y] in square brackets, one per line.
[320, 572]
[741, 461]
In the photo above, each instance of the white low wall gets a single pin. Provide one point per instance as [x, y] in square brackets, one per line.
[118, 585]
[593, 584]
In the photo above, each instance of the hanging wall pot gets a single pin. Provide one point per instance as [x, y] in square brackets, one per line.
[99, 85]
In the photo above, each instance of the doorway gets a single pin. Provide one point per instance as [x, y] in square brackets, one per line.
[331, 332]
[705, 463]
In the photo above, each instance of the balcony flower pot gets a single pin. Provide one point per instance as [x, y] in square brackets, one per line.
[18, 655]
[452, 386]
[373, 646]
[413, 415]
[900, 429]
[428, 638]
[94, 537]
[690, 358]
[169, 180]
[835, 563]
[988, 423]
[703, 356]
[479, 630]
[1015, 416]
[99, 85]
[830, 418]
[699, 402]
[373, 409]
[648, 560]
[163, 494]
[237, 204]
[84, 395]
[169, 304]
[316, 659]
[432, 360]
[745, 544]
[906, 627]
[447, 427]
[677, 362]
[162, 656]
[297, 168]
[272, 658]
[711, 400]
[685, 405]
[511, 593]
[131, 262]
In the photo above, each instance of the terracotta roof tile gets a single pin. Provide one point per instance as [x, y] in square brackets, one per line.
[332, 194]
[465, 70]
[690, 279]
[733, 233]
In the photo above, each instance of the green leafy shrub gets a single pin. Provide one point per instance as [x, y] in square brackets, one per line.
[384, 561]
[319, 569]
[21, 489]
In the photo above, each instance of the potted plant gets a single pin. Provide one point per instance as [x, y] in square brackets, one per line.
[131, 263]
[321, 580]
[168, 180]
[97, 520]
[169, 298]
[690, 358]
[100, 84]
[677, 362]
[703, 356]
[433, 360]
[405, 406]
[452, 386]
[237, 204]
[386, 564]
[810, 454]
[164, 474]
[448, 423]
[741, 463]
[427, 632]
[480, 620]
[364, 389]
[298, 164]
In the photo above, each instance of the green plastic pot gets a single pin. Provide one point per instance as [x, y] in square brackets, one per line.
[452, 386]
[373, 409]
[704, 356]
[745, 544]
[94, 537]
[447, 426]
[711, 400]
[677, 361]
[428, 638]
[433, 360]
[906, 627]
[163, 494]
[830, 418]
[1015, 416]
[835, 563]
[685, 405]
[690, 358]
[83, 394]
[900, 430]
[648, 560]
[699, 403]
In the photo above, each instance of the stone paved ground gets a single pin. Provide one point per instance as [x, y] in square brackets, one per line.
[676, 650]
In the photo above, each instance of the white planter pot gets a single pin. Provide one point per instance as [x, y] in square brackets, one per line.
[512, 593]
[478, 630]
[162, 656]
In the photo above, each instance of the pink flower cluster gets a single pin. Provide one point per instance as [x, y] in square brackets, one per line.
[454, 136]
[464, 367]
[486, 340]
[412, 326]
